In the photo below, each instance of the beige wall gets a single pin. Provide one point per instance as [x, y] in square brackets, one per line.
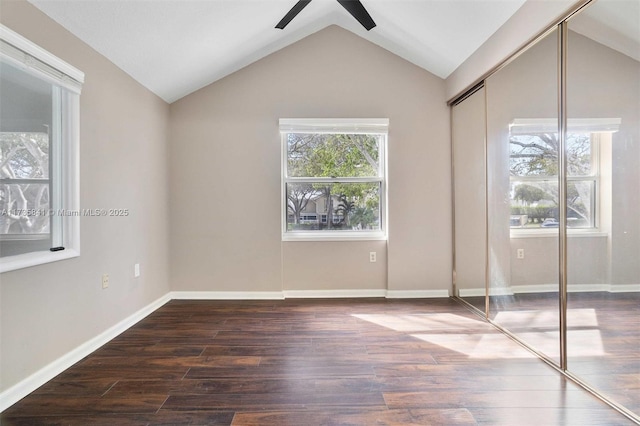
[46, 311]
[225, 151]
[306, 266]
[587, 262]
[604, 83]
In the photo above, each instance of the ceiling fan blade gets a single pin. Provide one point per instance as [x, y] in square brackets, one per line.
[292, 13]
[357, 10]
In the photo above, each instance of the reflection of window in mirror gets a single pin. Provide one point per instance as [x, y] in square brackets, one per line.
[533, 171]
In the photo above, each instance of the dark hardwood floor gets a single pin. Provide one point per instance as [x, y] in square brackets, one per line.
[603, 336]
[311, 362]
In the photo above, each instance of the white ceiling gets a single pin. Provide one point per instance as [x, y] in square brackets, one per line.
[175, 47]
[614, 23]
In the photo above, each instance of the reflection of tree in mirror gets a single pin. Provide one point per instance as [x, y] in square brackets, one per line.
[533, 155]
[575, 205]
[528, 194]
[24, 158]
[537, 154]
[533, 166]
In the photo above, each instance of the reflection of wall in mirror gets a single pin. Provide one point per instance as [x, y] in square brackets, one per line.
[603, 82]
[524, 89]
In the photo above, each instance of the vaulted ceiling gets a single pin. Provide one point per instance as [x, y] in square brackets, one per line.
[175, 47]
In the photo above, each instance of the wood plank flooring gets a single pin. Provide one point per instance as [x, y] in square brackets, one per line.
[311, 362]
[603, 336]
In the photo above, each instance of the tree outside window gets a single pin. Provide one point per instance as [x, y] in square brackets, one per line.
[25, 188]
[336, 178]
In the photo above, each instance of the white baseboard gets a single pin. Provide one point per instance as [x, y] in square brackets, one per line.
[500, 291]
[227, 295]
[333, 294]
[389, 294]
[552, 288]
[308, 294]
[577, 288]
[625, 288]
[534, 288]
[586, 288]
[471, 292]
[417, 294]
[42, 376]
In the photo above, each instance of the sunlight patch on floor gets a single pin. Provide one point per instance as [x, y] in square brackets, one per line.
[512, 320]
[471, 337]
[421, 322]
[585, 343]
[478, 346]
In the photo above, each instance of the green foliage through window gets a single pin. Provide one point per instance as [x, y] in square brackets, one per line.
[333, 181]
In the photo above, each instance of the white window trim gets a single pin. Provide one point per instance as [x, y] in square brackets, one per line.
[28, 56]
[522, 126]
[554, 233]
[335, 125]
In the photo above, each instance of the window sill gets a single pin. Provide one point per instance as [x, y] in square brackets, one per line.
[27, 260]
[334, 236]
[553, 233]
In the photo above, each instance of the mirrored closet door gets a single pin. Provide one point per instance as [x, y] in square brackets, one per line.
[523, 196]
[546, 159]
[468, 150]
[603, 198]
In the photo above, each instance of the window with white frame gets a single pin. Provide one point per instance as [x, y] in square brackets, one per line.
[334, 178]
[533, 170]
[39, 126]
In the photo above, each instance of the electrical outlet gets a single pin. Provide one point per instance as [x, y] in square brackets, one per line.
[136, 270]
[372, 256]
[105, 281]
[520, 253]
